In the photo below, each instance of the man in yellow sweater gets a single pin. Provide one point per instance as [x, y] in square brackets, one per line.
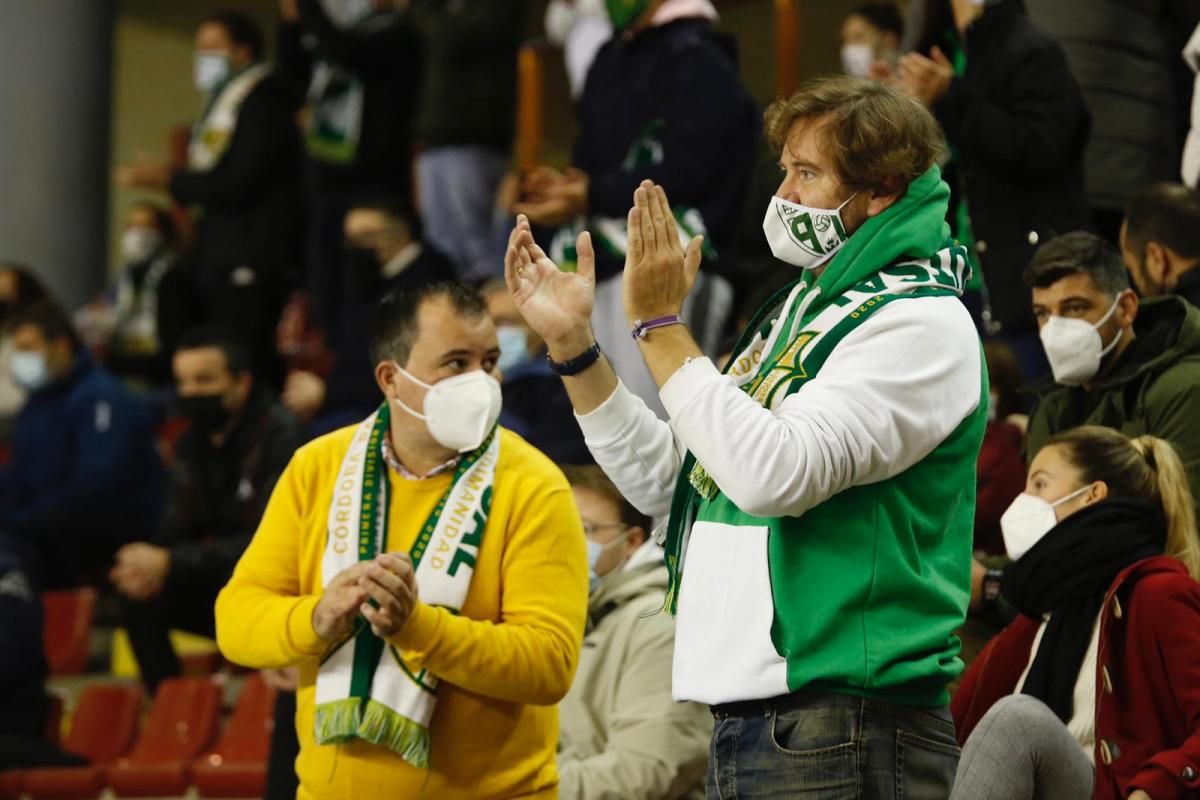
[426, 570]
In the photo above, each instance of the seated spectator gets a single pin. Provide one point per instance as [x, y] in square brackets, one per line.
[223, 472]
[621, 732]
[23, 740]
[19, 289]
[383, 252]
[536, 405]
[1092, 691]
[1000, 472]
[136, 329]
[85, 475]
[1129, 365]
[1160, 241]
[871, 35]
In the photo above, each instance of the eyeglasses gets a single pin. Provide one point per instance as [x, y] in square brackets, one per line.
[590, 529]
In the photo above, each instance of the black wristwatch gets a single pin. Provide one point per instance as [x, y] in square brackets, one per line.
[991, 588]
[577, 364]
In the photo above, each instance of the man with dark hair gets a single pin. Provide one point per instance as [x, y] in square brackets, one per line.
[244, 173]
[820, 492]
[1160, 241]
[225, 467]
[871, 33]
[84, 475]
[382, 253]
[1117, 362]
[425, 569]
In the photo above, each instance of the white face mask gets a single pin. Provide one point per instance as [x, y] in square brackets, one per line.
[514, 347]
[210, 69]
[594, 551]
[29, 370]
[1074, 347]
[139, 244]
[460, 411]
[1028, 520]
[804, 236]
[857, 59]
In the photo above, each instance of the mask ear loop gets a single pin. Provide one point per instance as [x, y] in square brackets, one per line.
[415, 380]
[1106, 318]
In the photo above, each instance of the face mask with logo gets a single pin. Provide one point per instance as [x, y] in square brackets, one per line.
[594, 551]
[803, 236]
[460, 411]
[1028, 520]
[624, 13]
[206, 412]
[210, 70]
[29, 370]
[138, 245]
[857, 59]
[1074, 347]
[514, 347]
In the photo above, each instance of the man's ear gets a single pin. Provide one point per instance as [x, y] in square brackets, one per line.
[1156, 264]
[385, 376]
[1127, 308]
[884, 197]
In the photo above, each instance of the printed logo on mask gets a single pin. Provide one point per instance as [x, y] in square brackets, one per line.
[816, 233]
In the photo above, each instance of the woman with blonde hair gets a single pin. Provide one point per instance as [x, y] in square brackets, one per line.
[1094, 691]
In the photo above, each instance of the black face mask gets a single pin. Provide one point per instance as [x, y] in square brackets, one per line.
[206, 412]
[364, 264]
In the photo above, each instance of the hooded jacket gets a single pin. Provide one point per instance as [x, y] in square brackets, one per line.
[621, 734]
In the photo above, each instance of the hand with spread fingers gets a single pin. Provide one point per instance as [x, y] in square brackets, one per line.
[556, 304]
[391, 582]
[659, 272]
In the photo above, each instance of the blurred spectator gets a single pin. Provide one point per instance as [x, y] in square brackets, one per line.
[1092, 691]
[622, 733]
[19, 289]
[23, 725]
[382, 253]
[222, 474]
[359, 63]
[1000, 472]
[1018, 124]
[1160, 241]
[580, 28]
[135, 329]
[1129, 365]
[536, 405]
[664, 102]
[871, 35]
[84, 476]
[465, 122]
[1125, 56]
[244, 173]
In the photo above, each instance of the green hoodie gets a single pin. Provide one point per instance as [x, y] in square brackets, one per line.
[867, 588]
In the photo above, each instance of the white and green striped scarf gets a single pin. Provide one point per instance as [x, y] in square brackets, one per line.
[364, 688]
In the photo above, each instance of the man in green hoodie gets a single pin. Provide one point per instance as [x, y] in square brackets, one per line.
[821, 491]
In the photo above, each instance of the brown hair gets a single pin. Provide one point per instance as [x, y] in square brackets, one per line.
[593, 479]
[878, 138]
[1146, 468]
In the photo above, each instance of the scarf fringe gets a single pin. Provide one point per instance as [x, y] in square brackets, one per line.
[383, 726]
[337, 722]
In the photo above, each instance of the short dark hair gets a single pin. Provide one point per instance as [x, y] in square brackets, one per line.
[1078, 252]
[242, 29]
[49, 318]
[395, 328]
[30, 288]
[1167, 213]
[884, 16]
[592, 478]
[219, 337]
[397, 209]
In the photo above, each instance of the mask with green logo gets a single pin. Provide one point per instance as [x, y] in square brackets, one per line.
[804, 236]
[623, 13]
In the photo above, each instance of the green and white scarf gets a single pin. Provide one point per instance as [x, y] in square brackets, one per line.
[212, 135]
[364, 688]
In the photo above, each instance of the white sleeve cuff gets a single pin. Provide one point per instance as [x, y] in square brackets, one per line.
[687, 383]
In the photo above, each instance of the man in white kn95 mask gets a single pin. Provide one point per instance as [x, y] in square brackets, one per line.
[426, 571]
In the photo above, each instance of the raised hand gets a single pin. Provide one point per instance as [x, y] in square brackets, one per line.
[659, 273]
[556, 304]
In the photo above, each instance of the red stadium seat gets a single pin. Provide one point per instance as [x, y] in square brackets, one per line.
[102, 729]
[182, 723]
[237, 766]
[12, 784]
[66, 627]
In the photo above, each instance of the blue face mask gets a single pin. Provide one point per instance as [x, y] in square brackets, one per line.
[594, 551]
[29, 370]
[514, 347]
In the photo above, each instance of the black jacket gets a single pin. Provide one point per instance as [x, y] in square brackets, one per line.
[251, 201]
[1018, 122]
[176, 312]
[677, 84]
[469, 81]
[218, 494]
[23, 666]
[383, 52]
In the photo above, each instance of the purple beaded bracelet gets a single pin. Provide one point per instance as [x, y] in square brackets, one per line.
[640, 329]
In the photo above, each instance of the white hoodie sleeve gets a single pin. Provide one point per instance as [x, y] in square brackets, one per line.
[1190, 168]
[889, 394]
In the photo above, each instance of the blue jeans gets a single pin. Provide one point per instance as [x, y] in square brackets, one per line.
[815, 746]
[456, 187]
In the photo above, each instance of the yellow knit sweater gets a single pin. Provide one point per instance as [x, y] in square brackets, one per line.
[504, 662]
